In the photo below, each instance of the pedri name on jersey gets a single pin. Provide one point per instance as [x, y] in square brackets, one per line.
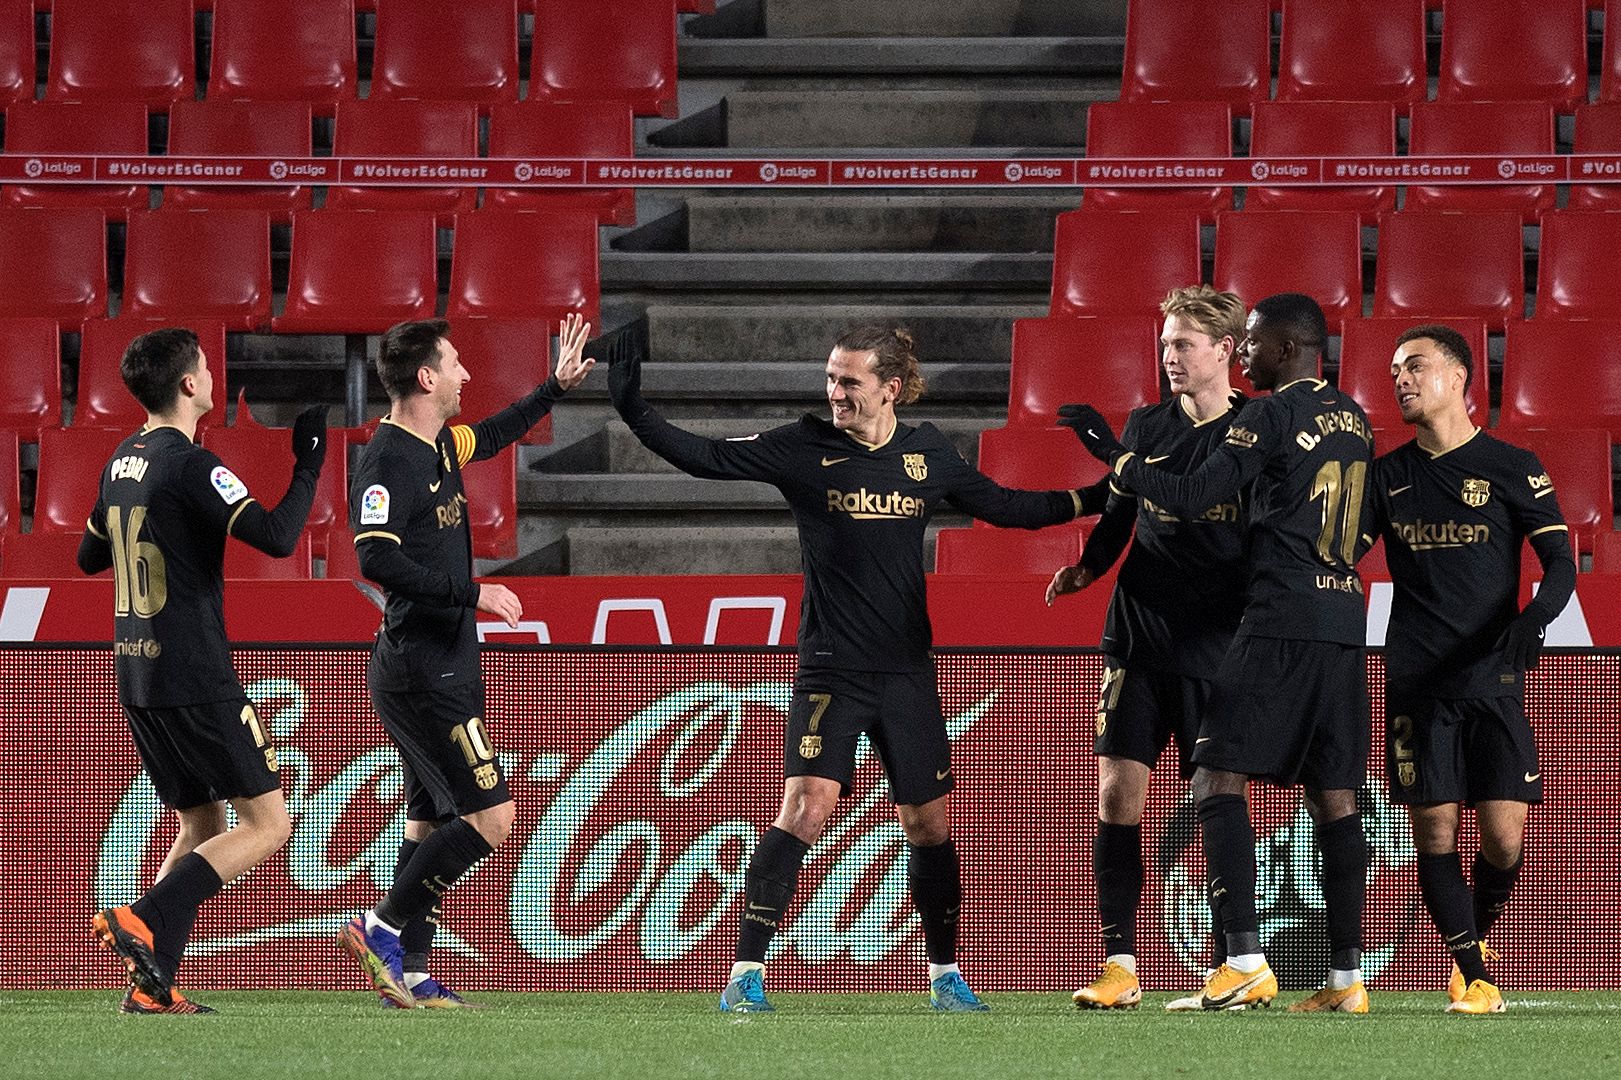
[129, 467]
[866, 505]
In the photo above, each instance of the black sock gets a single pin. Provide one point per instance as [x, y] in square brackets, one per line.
[768, 887]
[439, 862]
[1345, 888]
[1117, 863]
[416, 937]
[935, 874]
[1493, 885]
[1229, 845]
[1218, 940]
[169, 908]
[1446, 895]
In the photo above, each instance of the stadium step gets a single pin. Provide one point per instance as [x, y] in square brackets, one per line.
[942, 18]
[1021, 56]
[789, 118]
[798, 381]
[879, 271]
[1020, 222]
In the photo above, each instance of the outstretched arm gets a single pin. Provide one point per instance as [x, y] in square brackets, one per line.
[275, 532]
[488, 437]
[1219, 477]
[708, 459]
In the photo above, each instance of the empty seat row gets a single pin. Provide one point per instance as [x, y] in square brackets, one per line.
[351, 271]
[393, 129]
[1371, 50]
[1428, 262]
[305, 50]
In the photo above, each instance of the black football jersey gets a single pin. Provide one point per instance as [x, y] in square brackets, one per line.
[1453, 525]
[861, 512]
[1305, 451]
[165, 508]
[1180, 592]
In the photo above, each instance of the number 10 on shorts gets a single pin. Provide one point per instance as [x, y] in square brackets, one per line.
[475, 746]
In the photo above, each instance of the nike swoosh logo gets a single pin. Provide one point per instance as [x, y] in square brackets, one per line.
[1207, 738]
[1532, 777]
[942, 775]
[1393, 492]
[832, 461]
[1155, 460]
[435, 485]
[760, 907]
[315, 440]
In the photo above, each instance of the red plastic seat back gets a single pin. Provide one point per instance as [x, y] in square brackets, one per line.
[1514, 50]
[16, 51]
[1577, 460]
[263, 459]
[1367, 347]
[525, 265]
[71, 461]
[1037, 458]
[450, 50]
[1450, 264]
[198, 264]
[1260, 253]
[246, 562]
[492, 504]
[1323, 129]
[70, 127]
[104, 400]
[1576, 265]
[1108, 362]
[240, 129]
[1159, 129]
[575, 129]
[31, 377]
[332, 289]
[284, 50]
[507, 358]
[623, 51]
[10, 487]
[53, 264]
[1122, 263]
[1192, 50]
[122, 50]
[1371, 50]
[405, 129]
[1562, 373]
[1007, 551]
[1482, 127]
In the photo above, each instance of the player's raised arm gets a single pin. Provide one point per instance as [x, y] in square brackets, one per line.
[275, 532]
[488, 437]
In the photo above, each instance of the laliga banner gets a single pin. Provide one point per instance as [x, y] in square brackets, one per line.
[642, 779]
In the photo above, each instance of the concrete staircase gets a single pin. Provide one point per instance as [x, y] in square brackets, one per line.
[738, 295]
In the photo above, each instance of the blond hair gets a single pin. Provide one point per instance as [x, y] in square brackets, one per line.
[896, 356]
[1218, 314]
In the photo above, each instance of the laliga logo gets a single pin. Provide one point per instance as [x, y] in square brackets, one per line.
[524, 171]
[695, 730]
[768, 172]
[1505, 169]
[278, 170]
[33, 167]
[1014, 172]
[1260, 170]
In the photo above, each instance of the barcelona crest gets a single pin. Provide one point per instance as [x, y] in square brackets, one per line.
[1406, 773]
[810, 746]
[1477, 492]
[916, 466]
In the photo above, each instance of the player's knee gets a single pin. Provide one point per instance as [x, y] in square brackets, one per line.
[926, 832]
[1501, 846]
[804, 818]
[1121, 796]
[201, 823]
[275, 830]
[494, 824]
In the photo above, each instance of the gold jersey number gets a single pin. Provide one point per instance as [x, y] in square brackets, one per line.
[1341, 491]
[140, 581]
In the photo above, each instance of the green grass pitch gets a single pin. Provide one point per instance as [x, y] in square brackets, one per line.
[297, 1034]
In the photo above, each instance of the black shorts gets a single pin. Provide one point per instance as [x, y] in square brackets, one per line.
[1294, 712]
[1459, 751]
[451, 768]
[1140, 711]
[900, 714]
[199, 754]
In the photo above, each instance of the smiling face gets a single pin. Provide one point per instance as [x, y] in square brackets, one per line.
[1262, 353]
[1192, 360]
[447, 379]
[1428, 382]
[861, 404]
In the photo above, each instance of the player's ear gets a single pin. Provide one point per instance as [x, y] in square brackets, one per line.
[426, 374]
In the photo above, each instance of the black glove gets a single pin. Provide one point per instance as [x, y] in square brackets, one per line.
[1093, 431]
[625, 385]
[1521, 642]
[309, 439]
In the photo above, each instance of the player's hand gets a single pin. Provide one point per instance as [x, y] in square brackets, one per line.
[1093, 431]
[1069, 579]
[1521, 642]
[309, 439]
[572, 365]
[625, 383]
[500, 601]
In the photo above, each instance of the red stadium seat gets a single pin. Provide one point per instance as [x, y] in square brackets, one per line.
[695, 7]
[1578, 462]
[1609, 86]
[198, 264]
[524, 265]
[1482, 127]
[1323, 129]
[1174, 129]
[453, 50]
[492, 505]
[240, 129]
[53, 264]
[1107, 362]
[1122, 263]
[1316, 252]
[1007, 551]
[263, 458]
[506, 358]
[624, 51]
[104, 400]
[70, 465]
[10, 486]
[122, 50]
[45, 555]
[1576, 264]
[1450, 264]
[1037, 458]
[31, 377]
[1372, 50]
[577, 129]
[1514, 50]
[284, 50]
[1598, 131]
[1367, 347]
[16, 51]
[1607, 552]
[1562, 373]
[246, 562]
[1192, 50]
[341, 560]
[405, 129]
[332, 291]
[58, 127]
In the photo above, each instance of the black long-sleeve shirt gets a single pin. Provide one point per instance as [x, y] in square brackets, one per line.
[407, 508]
[861, 511]
[165, 508]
